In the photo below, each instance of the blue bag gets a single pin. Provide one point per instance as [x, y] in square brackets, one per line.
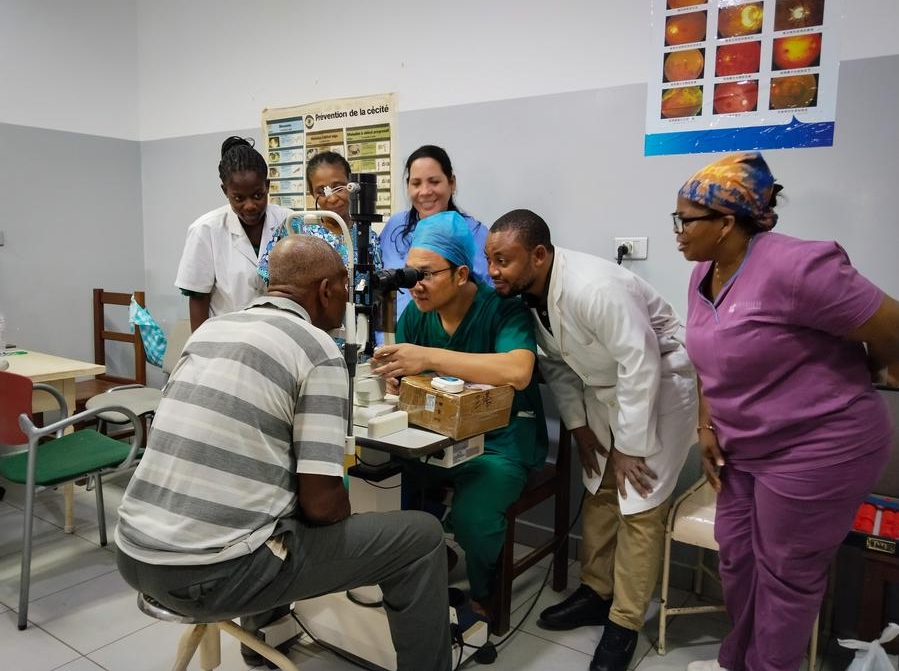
[151, 332]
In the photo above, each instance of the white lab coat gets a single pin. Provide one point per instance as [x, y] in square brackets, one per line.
[218, 258]
[616, 359]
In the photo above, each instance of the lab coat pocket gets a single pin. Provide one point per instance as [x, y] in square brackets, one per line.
[677, 393]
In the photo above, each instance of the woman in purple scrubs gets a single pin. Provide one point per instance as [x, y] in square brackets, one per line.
[785, 335]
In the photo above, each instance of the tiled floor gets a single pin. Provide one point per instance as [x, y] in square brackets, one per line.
[83, 617]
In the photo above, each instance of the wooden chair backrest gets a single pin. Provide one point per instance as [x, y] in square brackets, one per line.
[104, 332]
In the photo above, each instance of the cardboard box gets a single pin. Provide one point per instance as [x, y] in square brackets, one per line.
[476, 409]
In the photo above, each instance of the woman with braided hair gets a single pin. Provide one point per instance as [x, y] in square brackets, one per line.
[218, 269]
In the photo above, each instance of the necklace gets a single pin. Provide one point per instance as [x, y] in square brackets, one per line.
[730, 268]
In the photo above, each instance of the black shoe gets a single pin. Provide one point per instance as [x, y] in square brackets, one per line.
[615, 649]
[583, 608]
[252, 658]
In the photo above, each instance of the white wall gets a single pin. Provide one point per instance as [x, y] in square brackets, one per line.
[225, 60]
[150, 69]
[70, 65]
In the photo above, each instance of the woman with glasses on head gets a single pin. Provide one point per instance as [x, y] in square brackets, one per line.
[327, 176]
[431, 185]
[459, 326]
[784, 334]
[218, 266]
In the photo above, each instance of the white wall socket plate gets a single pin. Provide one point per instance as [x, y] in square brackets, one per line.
[637, 248]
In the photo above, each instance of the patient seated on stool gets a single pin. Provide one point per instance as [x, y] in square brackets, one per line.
[238, 507]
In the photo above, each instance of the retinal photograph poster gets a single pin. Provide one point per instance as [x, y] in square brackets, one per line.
[733, 75]
[359, 129]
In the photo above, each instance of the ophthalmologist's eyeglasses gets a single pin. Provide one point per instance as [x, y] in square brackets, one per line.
[428, 275]
[682, 222]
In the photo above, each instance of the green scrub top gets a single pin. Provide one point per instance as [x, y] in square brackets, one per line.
[492, 324]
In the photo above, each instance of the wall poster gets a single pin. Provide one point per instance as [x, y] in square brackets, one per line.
[731, 75]
[359, 129]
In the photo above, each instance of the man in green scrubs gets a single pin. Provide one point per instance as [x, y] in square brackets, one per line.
[459, 326]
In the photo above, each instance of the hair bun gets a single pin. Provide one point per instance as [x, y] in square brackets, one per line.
[235, 141]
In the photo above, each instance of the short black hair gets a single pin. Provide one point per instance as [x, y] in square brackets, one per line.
[327, 158]
[528, 226]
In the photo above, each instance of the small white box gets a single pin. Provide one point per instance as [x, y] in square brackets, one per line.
[384, 425]
[461, 450]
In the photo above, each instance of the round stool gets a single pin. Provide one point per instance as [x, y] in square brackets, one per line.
[205, 635]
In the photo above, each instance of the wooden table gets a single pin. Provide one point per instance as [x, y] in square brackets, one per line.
[61, 373]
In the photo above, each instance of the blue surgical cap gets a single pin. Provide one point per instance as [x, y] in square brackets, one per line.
[447, 234]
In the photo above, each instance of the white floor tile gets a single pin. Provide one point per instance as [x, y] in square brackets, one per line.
[524, 652]
[153, 648]
[32, 649]
[91, 614]
[83, 617]
[82, 664]
[12, 530]
[62, 562]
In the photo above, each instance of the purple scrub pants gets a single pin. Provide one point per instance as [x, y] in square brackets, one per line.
[778, 533]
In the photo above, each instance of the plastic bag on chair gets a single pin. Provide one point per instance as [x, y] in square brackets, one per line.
[870, 656]
[151, 333]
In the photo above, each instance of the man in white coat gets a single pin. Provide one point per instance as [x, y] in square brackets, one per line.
[614, 359]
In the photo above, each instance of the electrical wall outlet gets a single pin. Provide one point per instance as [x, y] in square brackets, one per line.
[636, 248]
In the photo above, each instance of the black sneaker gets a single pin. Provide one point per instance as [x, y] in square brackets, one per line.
[615, 649]
[583, 608]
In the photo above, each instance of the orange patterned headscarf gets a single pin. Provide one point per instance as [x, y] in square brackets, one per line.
[740, 184]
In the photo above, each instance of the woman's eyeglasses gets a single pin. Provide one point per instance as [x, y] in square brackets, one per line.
[681, 222]
[328, 191]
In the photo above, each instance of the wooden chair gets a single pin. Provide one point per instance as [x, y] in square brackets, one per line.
[104, 333]
[141, 400]
[552, 481]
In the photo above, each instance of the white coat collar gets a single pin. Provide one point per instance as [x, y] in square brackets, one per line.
[239, 240]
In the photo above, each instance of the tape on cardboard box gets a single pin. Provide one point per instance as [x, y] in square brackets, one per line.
[476, 409]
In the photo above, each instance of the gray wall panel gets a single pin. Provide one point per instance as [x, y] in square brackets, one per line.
[71, 219]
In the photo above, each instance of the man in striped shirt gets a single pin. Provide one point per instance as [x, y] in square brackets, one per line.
[238, 505]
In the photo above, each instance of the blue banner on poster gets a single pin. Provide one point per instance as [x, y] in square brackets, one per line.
[794, 134]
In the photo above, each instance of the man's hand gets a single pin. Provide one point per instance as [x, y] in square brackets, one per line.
[395, 361]
[587, 446]
[633, 470]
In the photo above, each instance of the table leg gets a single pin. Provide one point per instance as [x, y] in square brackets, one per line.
[68, 489]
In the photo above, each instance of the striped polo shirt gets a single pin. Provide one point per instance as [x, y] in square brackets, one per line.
[257, 397]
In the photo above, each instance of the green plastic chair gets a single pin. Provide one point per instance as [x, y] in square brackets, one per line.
[60, 459]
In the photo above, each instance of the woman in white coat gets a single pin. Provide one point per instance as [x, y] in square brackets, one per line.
[616, 365]
[218, 268]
